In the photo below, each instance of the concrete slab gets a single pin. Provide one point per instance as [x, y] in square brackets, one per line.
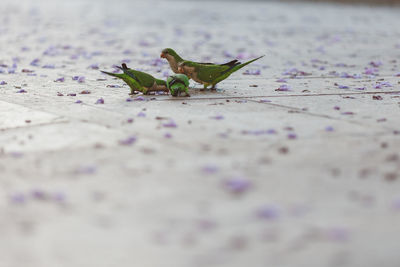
[307, 175]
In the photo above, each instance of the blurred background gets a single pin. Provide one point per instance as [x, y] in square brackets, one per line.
[374, 2]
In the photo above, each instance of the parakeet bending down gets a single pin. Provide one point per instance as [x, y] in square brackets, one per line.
[139, 81]
[204, 73]
[178, 85]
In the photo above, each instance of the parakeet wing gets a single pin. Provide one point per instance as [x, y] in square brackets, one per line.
[230, 63]
[209, 73]
[142, 78]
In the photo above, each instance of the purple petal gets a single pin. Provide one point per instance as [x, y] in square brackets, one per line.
[218, 117]
[227, 54]
[59, 197]
[18, 198]
[35, 62]
[209, 169]
[48, 66]
[62, 79]
[85, 170]
[386, 84]
[345, 75]
[396, 204]
[252, 72]
[100, 101]
[141, 114]
[144, 43]
[170, 124]
[81, 79]
[78, 101]
[16, 154]
[283, 88]
[22, 91]
[243, 56]
[139, 98]
[237, 185]
[94, 66]
[39, 194]
[371, 71]
[268, 213]
[375, 64]
[338, 234]
[129, 141]
[3, 83]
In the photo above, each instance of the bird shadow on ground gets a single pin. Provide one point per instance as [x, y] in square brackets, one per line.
[202, 92]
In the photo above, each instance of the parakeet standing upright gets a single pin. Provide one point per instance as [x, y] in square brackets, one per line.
[172, 57]
[204, 73]
[211, 74]
[139, 81]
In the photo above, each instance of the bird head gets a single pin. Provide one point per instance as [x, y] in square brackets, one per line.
[165, 52]
[169, 53]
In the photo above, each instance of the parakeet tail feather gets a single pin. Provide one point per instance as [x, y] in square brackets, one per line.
[112, 74]
[238, 67]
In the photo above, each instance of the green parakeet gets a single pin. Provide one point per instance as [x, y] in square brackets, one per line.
[174, 59]
[139, 81]
[204, 73]
[178, 85]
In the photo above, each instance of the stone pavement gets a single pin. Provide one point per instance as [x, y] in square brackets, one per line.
[294, 163]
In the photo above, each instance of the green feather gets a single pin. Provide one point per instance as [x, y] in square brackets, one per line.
[137, 80]
[132, 83]
[211, 74]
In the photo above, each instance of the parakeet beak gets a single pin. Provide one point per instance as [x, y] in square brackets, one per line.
[162, 55]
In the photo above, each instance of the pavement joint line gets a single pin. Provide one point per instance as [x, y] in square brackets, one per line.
[274, 96]
[34, 125]
[299, 110]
